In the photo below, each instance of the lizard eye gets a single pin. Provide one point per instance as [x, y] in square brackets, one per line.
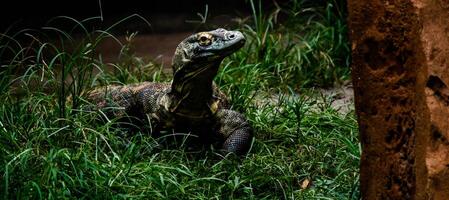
[204, 40]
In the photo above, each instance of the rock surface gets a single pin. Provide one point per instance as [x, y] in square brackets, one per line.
[400, 68]
[434, 15]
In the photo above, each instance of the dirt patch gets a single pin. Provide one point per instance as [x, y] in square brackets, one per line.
[341, 98]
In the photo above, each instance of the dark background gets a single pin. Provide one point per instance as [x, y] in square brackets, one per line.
[171, 21]
[164, 16]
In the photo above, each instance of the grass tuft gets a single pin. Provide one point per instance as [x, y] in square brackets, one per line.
[304, 148]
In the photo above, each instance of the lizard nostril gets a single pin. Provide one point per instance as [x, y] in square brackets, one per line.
[231, 36]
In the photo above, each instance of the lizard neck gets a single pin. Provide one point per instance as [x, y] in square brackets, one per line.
[191, 91]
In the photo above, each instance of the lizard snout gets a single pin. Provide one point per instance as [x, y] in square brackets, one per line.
[234, 35]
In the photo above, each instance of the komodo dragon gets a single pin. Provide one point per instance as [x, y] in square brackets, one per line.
[191, 103]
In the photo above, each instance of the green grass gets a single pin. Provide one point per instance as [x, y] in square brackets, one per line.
[51, 150]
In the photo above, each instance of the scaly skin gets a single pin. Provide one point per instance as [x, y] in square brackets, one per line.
[191, 103]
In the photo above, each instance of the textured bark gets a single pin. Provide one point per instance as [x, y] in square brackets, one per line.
[400, 52]
[387, 68]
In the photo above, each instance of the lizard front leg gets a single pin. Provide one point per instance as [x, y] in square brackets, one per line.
[235, 130]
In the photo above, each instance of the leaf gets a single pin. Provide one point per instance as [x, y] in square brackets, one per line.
[306, 183]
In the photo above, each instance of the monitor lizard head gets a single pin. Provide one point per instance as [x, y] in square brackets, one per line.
[204, 49]
[195, 64]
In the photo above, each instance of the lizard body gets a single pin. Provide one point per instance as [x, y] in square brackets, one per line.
[191, 102]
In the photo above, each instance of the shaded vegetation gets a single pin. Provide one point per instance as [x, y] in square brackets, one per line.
[304, 148]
